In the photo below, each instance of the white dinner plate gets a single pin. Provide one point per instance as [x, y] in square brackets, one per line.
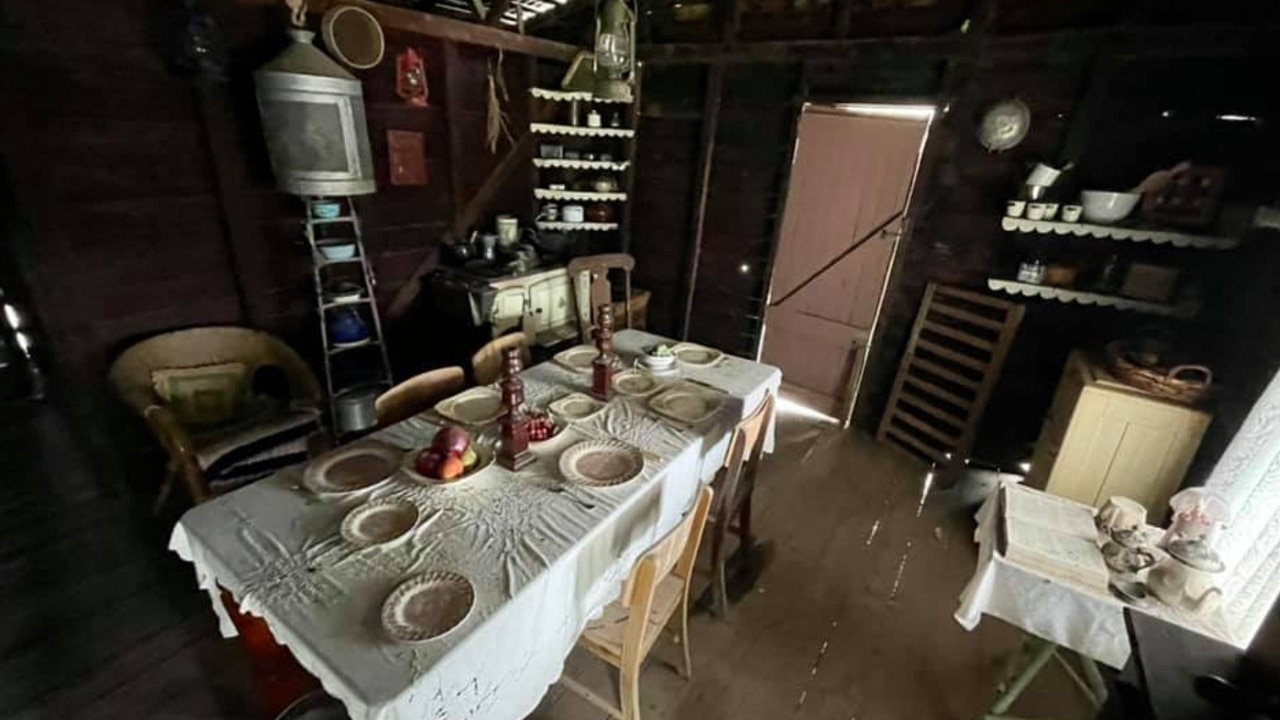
[687, 403]
[697, 355]
[576, 407]
[380, 521]
[476, 406]
[578, 358]
[635, 383]
[427, 606]
[600, 463]
[350, 469]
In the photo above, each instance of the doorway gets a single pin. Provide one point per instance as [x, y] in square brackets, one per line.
[851, 181]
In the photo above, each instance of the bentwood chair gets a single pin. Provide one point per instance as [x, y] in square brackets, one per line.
[228, 404]
[486, 364]
[418, 394]
[600, 291]
[734, 485]
[657, 590]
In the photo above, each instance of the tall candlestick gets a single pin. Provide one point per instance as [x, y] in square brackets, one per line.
[602, 366]
[513, 453]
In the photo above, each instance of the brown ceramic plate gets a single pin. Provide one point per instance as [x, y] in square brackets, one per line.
[350, 469]
[427, 606]
[600, 463]
[380, 521]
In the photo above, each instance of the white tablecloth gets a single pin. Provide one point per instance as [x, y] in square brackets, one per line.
[1074, 615]
[541, 564]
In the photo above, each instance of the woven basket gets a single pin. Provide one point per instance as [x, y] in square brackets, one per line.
[1181, 383]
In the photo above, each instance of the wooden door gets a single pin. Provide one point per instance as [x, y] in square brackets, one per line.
[851, 173]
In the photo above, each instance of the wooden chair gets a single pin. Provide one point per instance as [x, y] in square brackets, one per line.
[734, 485]
[276, 426]
[486, 364]
[657, 590]
[600, 291]
[417, 394]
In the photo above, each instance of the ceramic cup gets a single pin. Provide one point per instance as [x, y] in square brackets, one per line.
[1015, 208]
[1121, 514]
[573, 213]
[1050, 211]
[1071, 213]
[508, 230]
[1035, 211]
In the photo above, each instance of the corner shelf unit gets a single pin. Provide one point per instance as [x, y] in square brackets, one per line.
[617, 143]
[577, 226]
[580, 130]
[584, 195]
[567, 164]
[1081, 297]
[571, 96]
[1120, 232]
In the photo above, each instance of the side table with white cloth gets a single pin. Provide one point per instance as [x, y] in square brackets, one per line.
[541, 563]
[1059, 612]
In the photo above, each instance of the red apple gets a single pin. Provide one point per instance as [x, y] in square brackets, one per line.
[428, 462]
[451, 439]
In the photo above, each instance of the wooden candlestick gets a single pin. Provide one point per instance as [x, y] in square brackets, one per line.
[513, 453]
[602, 366]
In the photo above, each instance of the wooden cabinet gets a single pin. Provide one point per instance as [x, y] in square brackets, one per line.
[1103, 438]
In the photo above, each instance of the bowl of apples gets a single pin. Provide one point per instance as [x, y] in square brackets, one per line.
[451, 458]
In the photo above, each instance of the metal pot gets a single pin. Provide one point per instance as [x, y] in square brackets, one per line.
[353, 409]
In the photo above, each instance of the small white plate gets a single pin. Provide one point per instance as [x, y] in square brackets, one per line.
[350, 469]
[484, 458]
[697, 355]
[687, 403]
[577, 358]
[576, 407]
[476, 406]
[635, 383]
[379, 522]
[427, 606]
[601, 463]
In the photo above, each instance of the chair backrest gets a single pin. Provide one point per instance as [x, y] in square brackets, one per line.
[742, 460]
[600, 291]
[417, 394]
[486, 364]
[130, 374]
[674, 554]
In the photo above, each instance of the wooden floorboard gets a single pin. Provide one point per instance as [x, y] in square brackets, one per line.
[851, 620]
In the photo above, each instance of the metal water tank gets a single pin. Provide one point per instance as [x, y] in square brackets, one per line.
[313, 118]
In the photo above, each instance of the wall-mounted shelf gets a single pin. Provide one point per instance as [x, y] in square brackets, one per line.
[571, 95]
[581, 164]
[548, 194]
[1065, 295]
[580, 130]
[1118, 232]
[579, 226]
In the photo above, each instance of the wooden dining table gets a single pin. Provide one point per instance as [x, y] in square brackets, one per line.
[542, 557]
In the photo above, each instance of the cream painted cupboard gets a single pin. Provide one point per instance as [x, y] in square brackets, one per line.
[1104, 438]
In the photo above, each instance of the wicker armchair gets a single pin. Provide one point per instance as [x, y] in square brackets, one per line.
[267, 435]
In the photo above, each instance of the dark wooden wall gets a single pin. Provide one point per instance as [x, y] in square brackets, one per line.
[141, 201]
[1119, 105]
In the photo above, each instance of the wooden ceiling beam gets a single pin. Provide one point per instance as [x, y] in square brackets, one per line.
[438, 26]
[1137, 41]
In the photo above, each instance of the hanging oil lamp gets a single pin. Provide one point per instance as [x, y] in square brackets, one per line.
[411, 78]
[615, 52]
